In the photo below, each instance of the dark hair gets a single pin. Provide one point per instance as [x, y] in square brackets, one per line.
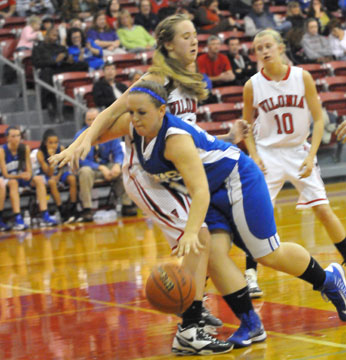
[153, 87]
[69, 36]
[232, 38]
[47, 134]
[11, 127]
[334, 23]
[207, 3]
[109, 63]
[108, 8]
[96, 16]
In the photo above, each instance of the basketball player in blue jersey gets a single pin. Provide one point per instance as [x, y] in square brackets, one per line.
[174, 67]
[15, 166]
[284, 96]
[186, 158]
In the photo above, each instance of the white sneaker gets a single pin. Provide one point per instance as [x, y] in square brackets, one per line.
[251, 279]
[194, 340]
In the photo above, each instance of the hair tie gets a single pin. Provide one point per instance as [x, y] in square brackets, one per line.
[150, 92]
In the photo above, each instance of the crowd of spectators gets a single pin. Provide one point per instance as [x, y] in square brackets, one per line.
[74, 35]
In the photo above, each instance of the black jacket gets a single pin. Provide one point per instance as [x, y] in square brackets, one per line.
[103, 92]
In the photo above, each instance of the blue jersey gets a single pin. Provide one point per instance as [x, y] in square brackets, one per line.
[218, 157]
[12, 161]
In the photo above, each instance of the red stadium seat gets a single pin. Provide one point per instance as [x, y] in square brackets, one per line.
[219, 112]
[14, 22]
[6, 34]
[84, 94]
[229, 94]
[216, 127]
[67, 81]
[336, 83]
[24, 59]
[8, 47]
[336, 67]
[203, 39]
[228, 34]
[123, 74]
[317, 71]
[281, 10]
[333, 100]
[125, 60]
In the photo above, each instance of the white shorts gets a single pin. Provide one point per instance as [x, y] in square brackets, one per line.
[169, 209]
[283, 164]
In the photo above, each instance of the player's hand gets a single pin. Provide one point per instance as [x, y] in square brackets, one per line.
[260, 164]
[61, 159]
[25, 175]
[341, 132]
[306, 167]
[239, 131]
[188, 242]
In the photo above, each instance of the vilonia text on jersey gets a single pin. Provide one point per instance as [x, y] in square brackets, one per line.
[282, 101]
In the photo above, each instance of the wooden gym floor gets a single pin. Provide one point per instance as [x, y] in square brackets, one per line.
[76, 293]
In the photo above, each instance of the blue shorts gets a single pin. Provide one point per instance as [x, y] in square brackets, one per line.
[244, 203]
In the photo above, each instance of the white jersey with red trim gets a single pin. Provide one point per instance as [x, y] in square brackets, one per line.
[283, 115]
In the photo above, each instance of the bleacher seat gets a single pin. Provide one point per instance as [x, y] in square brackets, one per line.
[336, 68]
[6, 34]
[24, 59]
[127, 3]
[229, 94]
[219, 112]
[125, 60]
[317, 71]
[278, 9]
[333, 100]
[216, 127]
[67, 81]
[8, 47]
[14, 22]
[123, 74]
[3, 128]
[84, 95]
[225, 35]
[334, 83]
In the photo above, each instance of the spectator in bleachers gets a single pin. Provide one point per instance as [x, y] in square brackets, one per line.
[240, 8]
[209, 19]
[146, 17]
[112, 13]
[295, 16]
[337, 39]
[3, 225]
[317, 11]
[242, 67]
[106, 90]
[104, 36]
[15, 166]
[47, 23]
[316, 47]
[133, 38]
[7, 8]
[63, 28]
[34, 7]
[304, 5]
[103, 162]
[216, 65]
[54, 176]
[52, 58]
[78, 9]
[30, 33]
[259, 19]
[83, 50]
[135, 75]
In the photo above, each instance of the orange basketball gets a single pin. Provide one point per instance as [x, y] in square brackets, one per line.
[170, 288]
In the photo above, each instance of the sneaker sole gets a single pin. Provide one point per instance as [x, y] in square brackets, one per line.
[256, 295]
[259, 338]
[187, 352]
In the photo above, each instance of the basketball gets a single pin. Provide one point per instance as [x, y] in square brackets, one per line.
[170, 288]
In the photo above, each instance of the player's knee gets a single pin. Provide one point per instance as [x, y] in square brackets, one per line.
[323, 212]
[271, 259]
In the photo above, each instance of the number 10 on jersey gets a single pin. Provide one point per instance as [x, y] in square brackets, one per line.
[284, 123]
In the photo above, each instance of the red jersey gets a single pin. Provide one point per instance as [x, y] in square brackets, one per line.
[211, 67]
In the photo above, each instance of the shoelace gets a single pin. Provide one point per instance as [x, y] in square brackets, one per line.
[205, 336]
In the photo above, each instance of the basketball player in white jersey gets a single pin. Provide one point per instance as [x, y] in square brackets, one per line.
[284, 96]
[174, 67]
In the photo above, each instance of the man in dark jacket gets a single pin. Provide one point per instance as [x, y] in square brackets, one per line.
[107, 90]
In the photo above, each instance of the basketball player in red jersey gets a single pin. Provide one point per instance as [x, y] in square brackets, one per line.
[284, 96]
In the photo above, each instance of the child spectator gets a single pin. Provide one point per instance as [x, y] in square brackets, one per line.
[54, 176]
[83, 50]
[30, 34]
[15, 166]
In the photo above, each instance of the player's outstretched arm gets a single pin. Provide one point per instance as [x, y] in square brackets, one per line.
[341, 132]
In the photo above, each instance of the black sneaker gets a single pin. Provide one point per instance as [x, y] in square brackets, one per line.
[193, 340]
[210, 319]
[86, 216]
[129, 210]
